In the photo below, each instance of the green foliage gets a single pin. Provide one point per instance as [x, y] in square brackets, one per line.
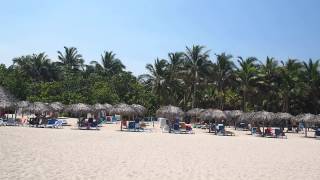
[186, 79]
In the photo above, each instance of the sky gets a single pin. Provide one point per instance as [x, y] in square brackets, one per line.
[139, 31]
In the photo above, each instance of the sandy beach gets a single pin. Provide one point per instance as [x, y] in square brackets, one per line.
[37, 153]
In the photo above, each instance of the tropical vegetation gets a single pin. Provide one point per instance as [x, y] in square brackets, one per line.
[187, 79]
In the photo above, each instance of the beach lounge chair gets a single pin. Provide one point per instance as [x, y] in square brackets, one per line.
[89, 125]
[2, 123]
[51, 123]
[279, 133]
[11, 122]
[176, 128]
[54, 123]
[185, 128]
[317, 133]
[255, 131]
[268, 133]
[132, 126]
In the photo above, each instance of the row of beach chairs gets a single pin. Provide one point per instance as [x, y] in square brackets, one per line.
[33, 122]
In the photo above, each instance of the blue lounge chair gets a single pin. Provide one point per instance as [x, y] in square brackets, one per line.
[51, 123]
[254, 132]
[2, 123]
[279, 133]
[317, 133]
[11, 122]
[132, 126]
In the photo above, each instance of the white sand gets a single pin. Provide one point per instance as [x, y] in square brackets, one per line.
[36, 153]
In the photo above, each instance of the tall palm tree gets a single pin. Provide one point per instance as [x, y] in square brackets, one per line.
[37, 66]
[110, 65]
[312, 76]
[196, 60]
[290, 83]
[223, 73]
[268, 82]
[246, 76]
[71, 60]
[157, 79]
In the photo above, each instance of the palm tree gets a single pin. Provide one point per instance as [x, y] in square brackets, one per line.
[312, 76]
[246, 76]
[37, 66]
[223, 74]
[196, 60]
[290, 83]
[268, 83]
[71, 60]
[157, 79]
[110, 65]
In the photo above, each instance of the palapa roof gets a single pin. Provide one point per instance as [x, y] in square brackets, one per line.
[195, 112]
[139, 109]
[263, 116]
[7, 100]
[99, 107]
[79, 108]
[56, 106]
[38, 107]
[123, 109]
[169, 112]
[216, 114]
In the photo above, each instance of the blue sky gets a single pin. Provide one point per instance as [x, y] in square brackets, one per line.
[139, 31]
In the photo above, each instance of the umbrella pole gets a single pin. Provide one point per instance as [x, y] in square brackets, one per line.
[263, 129]
[120, 123]
[305, 130]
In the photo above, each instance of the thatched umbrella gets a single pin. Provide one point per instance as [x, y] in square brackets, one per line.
[263, 116]
[99, 107]
[214, 114]
[139, 109]
[38, 107]
[7, 100]
[281, 117]
[108, 107]
[23, 106]
[79, 108]
[123, 110]
[56, 106]
[195, 112]
[234, 115]
[307, 119]
[169, 112]
[246, 117]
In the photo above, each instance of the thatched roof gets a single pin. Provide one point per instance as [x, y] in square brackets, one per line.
[123, 109]
[215, 114]
[56, 106]
[38, 107]
[79, 108]
[98, 107]
[108, 107]
[236, 114]
[23, 104]
[281, 116]
[307, 118]
[195, 112]
[263, 116]
[139, 109]
[169, 112]
[7, 100]
[246, 117]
